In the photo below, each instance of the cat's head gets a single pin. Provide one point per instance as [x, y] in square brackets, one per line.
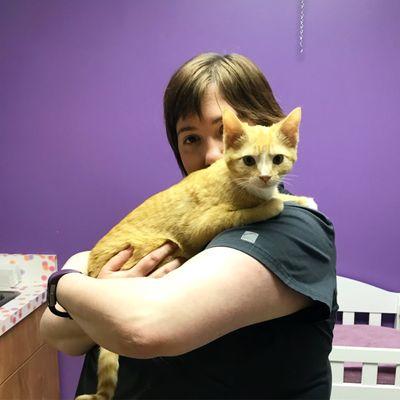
[258, 156]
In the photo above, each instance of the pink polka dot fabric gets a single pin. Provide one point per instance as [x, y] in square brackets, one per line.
[35, 270]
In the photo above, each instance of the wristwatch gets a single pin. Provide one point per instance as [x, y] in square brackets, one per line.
[52, 289]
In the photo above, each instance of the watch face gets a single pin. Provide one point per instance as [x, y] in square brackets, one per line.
[51, 295]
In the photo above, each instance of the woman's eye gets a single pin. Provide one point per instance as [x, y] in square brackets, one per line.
[278, 159]
[249, 160]
[221, 130]
[190, 139]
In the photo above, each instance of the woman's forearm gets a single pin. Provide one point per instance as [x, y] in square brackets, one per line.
[110, 311]
[64, 334]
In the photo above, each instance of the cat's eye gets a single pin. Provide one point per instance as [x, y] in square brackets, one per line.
[278, 159]
[249, 160]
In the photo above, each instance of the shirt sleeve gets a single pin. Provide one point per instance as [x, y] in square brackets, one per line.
[298, 246]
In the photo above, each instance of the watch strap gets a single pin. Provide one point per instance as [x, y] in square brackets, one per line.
[52, 290]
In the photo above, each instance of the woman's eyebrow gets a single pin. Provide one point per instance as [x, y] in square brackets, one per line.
[186, 128]
[193, 128]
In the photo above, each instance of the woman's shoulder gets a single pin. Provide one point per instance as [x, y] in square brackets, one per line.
[301, 221]
[301, 213]
[294, 225]
[298, 246]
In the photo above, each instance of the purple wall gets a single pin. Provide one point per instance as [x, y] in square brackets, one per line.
[81, 131]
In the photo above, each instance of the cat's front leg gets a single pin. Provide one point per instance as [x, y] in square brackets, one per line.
[264, 211]
[303, 201]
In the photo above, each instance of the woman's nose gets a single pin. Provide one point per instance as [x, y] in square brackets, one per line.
[214, 152]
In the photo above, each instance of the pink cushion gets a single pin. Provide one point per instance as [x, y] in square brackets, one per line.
[367, 336]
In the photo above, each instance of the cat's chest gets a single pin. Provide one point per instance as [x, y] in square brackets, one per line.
[262, 193]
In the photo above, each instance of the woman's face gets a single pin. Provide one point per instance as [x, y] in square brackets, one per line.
[200, 140]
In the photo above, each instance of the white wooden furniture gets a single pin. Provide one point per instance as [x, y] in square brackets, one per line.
[355, 296]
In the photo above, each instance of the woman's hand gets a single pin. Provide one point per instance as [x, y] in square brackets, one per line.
[147, 266]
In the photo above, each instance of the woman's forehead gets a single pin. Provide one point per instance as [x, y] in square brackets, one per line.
[212, 100]
[194, 121]
[212, 106]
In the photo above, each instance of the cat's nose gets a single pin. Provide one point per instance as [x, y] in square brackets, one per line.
[265, 178]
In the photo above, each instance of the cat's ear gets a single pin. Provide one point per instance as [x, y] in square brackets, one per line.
[233, 130]
[290, 127]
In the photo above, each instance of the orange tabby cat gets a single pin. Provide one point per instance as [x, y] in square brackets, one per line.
[240, 188]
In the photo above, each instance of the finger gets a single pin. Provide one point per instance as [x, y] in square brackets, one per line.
[116, 262]
[167, 268]
[148, 263]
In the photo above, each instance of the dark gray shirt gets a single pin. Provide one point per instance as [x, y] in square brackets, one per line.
[285, 358]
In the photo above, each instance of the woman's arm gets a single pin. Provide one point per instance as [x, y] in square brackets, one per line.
[62, 333]
[212, 294]
[65, 334]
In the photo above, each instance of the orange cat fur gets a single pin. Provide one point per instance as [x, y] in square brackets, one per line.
[240, 188]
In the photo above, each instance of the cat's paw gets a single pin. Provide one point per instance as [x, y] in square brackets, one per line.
[92, 397]
[309, 202]
[275, 206]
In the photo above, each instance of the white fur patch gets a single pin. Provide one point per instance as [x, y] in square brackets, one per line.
[311, 203]
[263, 193]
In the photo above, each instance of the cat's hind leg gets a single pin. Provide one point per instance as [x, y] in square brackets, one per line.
[143, 246]
[107, 377]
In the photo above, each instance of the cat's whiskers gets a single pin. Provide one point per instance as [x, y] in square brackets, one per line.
[290, 176]
[287, 183]
[287, 179]
[242, 182]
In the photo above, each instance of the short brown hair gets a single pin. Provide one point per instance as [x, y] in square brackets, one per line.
[238, 80]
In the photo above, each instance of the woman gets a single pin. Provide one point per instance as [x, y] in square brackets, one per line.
[251, 316]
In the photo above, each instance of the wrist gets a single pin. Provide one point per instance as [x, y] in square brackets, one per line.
[54, 285]
[64, 284]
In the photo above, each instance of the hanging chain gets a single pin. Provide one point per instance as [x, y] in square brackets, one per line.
[301, 27]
